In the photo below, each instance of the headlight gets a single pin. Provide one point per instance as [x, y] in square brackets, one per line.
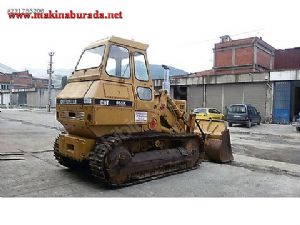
[87, 100]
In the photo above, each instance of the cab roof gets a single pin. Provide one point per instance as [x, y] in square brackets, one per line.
[118, 40]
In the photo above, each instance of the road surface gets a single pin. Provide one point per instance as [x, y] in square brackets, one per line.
[266, 164]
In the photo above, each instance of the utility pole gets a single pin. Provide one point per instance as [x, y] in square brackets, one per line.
[10, 92]
[49, 71]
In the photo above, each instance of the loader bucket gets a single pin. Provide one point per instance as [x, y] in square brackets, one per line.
[217, 144]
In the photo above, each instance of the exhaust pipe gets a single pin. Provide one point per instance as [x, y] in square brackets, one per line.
[166, 82]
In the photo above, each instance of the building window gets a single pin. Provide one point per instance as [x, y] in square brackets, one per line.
[4, 87]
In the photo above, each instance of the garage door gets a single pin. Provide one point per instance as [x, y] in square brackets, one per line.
[255, 94]
[194, 97]
[6, 98]
[214, 96]
[233, 94]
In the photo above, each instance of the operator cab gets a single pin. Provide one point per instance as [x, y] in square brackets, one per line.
[113, 58]
[111, 80]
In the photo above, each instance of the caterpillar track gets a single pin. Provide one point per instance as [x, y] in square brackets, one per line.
[114, 164]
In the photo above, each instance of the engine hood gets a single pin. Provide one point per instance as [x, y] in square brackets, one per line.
[75, 90]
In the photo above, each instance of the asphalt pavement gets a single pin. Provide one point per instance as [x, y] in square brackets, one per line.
[266, 165]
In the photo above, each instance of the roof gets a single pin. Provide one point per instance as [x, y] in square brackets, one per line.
[118, 40]
[204, 108]
[242, 42]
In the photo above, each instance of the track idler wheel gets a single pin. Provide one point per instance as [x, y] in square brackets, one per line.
[115, 161]
[120, 156]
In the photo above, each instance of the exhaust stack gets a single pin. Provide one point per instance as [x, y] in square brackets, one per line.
[166, 82]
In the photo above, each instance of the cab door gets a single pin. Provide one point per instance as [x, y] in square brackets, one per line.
[143, 87]
[114, 97]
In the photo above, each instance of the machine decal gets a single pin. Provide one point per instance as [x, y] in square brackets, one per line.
[113, 102]
[141, 117]
[153, 124]
[103, 102]
[74, 101]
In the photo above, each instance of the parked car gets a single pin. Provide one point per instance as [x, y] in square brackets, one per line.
[297, 124]
[243, 114]
[208, 113]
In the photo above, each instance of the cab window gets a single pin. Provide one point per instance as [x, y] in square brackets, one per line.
[90, 58]
[118, 62]
[140, 69]
[144, 93]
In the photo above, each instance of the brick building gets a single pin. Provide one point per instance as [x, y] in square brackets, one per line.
[21, 80]
[39, 82]
[4, 81]
[15, 88]
[248, 71]
[287, 59]
[242, 56]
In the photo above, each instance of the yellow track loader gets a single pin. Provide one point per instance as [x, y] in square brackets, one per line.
[121, 129]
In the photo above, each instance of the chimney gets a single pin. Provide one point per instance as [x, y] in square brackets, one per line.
[225, 38]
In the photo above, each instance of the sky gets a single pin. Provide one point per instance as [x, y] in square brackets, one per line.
[179, 33]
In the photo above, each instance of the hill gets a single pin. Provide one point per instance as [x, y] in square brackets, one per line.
[6, 69]
[158, 72]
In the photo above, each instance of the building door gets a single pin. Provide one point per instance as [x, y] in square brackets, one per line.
[22, 99]
[180, 92]
[282, 102]
[295, 99]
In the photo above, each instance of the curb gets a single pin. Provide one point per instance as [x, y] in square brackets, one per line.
[266, 165]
